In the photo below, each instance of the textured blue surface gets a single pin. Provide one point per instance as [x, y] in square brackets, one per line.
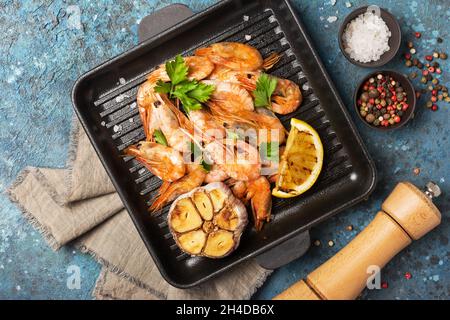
[43, 49]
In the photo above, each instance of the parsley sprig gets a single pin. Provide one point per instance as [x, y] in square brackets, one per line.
[265, 87]
[160, 137]
[191, 93]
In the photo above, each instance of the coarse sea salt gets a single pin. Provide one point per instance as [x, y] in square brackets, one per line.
[366, 38]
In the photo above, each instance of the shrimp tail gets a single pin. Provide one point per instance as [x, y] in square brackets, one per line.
[271, 61]
[162, 198]
[168, 192]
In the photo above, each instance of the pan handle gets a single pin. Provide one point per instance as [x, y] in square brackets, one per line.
[162, 19]
[285, 252]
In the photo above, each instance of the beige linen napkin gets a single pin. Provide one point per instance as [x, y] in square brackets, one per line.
[79, 205]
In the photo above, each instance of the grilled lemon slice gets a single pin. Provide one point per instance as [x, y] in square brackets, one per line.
[301, 163]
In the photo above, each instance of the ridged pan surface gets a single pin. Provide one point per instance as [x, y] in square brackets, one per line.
[105, 101]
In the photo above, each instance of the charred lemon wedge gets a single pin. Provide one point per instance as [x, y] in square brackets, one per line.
[208, 221]
[301, 163]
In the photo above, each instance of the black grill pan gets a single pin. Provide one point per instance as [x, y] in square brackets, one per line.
[105, 102]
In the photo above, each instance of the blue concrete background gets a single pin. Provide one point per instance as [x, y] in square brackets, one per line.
[44, 47]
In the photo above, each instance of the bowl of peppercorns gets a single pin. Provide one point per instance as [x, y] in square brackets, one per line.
[385, 100]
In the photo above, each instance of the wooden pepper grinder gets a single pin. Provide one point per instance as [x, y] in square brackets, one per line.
[407, 214]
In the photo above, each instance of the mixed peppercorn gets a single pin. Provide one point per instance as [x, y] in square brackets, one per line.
[429, 70]
[382, 101]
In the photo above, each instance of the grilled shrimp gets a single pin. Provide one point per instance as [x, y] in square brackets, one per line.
[258, 193]
[171, 122]
[238, 159]
[169, 191]
[205, 124]
[286, 98]
[234, 96]
[164, 162]
[233, 55]
[146, 97]
[199, 69]
[216, 175]
[260, 196]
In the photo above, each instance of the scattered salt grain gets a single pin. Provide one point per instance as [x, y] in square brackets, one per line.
[120, 98]
[122, 81]
[348, 4]
[333, 2]
[246, 18]
[133, 105]
[332, 19]
[117, 128]
[131, 120]
[366, 38]
[74, 17]
[18, 288]
[103, 123]
[248, 37]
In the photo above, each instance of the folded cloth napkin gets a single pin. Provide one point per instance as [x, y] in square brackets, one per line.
[79, 205]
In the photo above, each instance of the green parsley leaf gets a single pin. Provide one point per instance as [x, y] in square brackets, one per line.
[188, 103]
[160, 138]
[269, 151]
[191, 93]
[184, 87]
[202, 92]
[206, 166]
[265, 87]
[177, 70]
[163, 87]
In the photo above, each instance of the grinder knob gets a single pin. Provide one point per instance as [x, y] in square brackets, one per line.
[408, 214]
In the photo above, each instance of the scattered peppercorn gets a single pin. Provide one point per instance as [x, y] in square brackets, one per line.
[416, 171]
[413, 75]
[435, 55]
[417, 35]
[435, 108]
[429, 58]
[384, 285]
[349, 228]
[410, 44]
[317, 243]
[440, 40]
[331, 243]
[408, 275]
[443, 56]
[413, 51]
